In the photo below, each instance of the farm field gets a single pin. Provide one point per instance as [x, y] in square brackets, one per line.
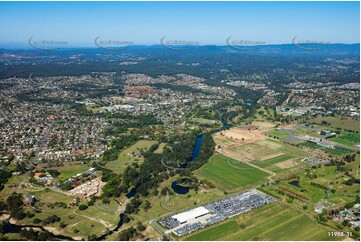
[275, 221]
[231, 174]
[130, 155]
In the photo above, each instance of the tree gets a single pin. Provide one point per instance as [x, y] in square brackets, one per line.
[106, 201]
[345, 223]
[92, 237]
[140, 227]
[83, 207]
[147, 205]
[15, 206]
[37, 221]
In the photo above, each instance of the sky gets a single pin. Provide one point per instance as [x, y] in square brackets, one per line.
[79, 23]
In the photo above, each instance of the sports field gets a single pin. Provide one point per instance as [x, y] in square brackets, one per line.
[231, 174]
[275, 221]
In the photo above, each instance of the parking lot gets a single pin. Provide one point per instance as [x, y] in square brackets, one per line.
[218, 211]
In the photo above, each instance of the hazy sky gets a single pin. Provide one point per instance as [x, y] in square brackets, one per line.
[205, 22]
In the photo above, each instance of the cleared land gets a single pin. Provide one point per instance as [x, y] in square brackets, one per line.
[275, 221]
[265, 150]
[231, 174]
[257, 149]
[263, 124]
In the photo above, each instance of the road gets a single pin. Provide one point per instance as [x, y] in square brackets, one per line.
[153, 223]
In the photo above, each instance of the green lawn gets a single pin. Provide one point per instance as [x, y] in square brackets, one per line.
[275, 221]
[349, 139]
[70, 169]
[272, 161]
[278, 133]
[231, 174]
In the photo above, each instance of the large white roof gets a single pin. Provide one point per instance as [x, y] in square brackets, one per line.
[191, 214]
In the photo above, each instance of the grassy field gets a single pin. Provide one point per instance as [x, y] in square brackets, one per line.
[278, 133]
[337, 122]
[71, 169]
[125, 158]
[349, 139]
[203, 121]
[87, 222]
[160, 148]
[275, 221]
[272, 161]
[325, 176]
[230, 174]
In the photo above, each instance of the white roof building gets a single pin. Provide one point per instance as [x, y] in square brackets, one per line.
[191, 214]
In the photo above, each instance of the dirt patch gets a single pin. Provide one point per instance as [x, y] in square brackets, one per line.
[263, 125]
[238, 135]
[286, 164]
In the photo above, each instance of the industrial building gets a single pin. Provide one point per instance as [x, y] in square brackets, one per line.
[191, 214]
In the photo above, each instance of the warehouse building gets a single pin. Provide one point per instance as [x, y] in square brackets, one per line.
[191, 214]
